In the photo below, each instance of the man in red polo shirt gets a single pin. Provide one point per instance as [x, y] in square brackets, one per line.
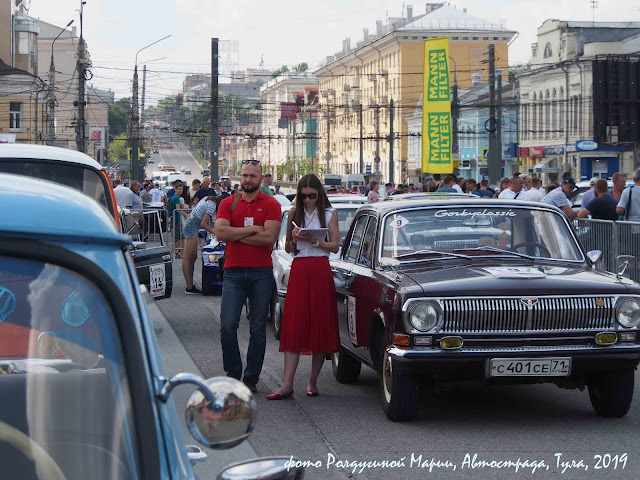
[249, 225]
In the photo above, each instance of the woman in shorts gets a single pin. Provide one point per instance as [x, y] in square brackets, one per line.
[199, 218]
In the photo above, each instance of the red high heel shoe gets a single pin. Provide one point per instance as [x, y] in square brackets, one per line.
[278, 396]
[311, 393]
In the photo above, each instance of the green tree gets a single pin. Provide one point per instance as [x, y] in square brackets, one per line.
[301, 67]
[118, 148]
[280, 71]
[119, 112]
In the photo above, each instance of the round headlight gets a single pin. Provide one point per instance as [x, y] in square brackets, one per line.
[424, 316]
[628, 313]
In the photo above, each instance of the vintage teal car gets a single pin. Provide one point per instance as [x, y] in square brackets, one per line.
[82, 386]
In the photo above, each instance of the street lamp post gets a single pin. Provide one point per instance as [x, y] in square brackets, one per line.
[136, 170]
[52, 91]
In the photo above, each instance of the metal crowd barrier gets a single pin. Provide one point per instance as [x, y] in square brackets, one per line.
[613, 239]
[147, 226]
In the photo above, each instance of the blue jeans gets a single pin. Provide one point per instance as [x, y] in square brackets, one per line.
[240, 284]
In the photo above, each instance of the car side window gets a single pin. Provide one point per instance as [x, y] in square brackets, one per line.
[356, 239]
[366, 256]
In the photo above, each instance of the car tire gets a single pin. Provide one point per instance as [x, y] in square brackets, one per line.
[399, 391]
[346, 368]
[611, 392]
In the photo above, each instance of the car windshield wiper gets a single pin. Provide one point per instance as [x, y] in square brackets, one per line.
[437, 252]
[499, 250]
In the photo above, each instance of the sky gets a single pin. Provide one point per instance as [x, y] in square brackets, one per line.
[281, 32]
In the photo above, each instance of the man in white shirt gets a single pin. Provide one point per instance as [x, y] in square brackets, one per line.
[514, 192]
[124, 195]
[536, 193]
[156, 194]
[458, 185]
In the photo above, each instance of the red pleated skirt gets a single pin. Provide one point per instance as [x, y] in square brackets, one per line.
[310, 319]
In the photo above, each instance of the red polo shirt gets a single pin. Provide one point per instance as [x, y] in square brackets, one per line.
[262, 208]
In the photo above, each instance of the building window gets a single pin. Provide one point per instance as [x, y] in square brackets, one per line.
[15, 116]
[547, 51]
[474, 38]
[485, 38]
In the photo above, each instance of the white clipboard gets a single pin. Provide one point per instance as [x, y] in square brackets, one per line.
[316, 233]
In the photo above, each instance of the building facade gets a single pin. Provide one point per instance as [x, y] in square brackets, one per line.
[289, 132]
[358, 84]
[558, 109]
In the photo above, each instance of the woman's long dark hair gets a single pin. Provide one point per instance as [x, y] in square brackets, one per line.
[311, 181]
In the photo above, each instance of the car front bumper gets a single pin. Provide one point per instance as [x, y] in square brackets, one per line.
[470, 363]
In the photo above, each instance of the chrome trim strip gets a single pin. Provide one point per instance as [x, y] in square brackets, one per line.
[509, 314]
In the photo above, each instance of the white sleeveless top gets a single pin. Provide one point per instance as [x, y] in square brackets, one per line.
[311, 220]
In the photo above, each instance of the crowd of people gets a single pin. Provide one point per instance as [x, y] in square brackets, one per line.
[598, 202]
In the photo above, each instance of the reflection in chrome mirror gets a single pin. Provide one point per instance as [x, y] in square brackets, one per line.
[624, 263]
[278, 468]
[224, 417]
[595, 256]
[47, 344]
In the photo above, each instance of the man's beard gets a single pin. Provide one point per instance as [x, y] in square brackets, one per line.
[250, 189]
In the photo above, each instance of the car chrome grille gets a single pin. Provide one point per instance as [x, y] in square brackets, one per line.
[514, 315]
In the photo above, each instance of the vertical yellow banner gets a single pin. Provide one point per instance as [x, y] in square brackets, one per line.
[436, 108]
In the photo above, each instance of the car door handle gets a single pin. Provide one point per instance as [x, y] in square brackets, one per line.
[342, 273]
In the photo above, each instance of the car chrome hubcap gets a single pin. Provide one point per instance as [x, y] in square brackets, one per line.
[386, 377]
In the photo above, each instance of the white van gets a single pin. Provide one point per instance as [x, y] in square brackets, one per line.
[172, 177]
[352, 179]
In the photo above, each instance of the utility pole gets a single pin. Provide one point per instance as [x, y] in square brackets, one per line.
[80, 134]
[144, 87]
[378, 132]
[293, 149]
[135, 129]
[499, 121]
[361, 141]
[215, 137]
[391, 133]
[328, 138]
[494, 166]
[455, 110]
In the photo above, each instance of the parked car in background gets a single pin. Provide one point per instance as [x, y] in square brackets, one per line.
[499, 292]
[359, 189]
[336, 198]
[429, 196]
[82, 173]
[83, 389]
[205, 172]
[282, 260]
[187, 171]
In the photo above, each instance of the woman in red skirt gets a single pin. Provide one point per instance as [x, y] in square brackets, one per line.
[310, 320]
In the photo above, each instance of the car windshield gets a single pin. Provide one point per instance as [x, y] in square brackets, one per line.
[63, 381]
[78, 177]
[517, 232]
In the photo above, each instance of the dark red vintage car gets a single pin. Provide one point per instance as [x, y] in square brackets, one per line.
[470, 289]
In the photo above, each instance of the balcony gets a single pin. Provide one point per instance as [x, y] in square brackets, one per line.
[371, 103]
[383, 100]
[346, 87]
[354, 82]
[382, 72]
[372, 77]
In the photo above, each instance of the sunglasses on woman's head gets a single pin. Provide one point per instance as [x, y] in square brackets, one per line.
[252, 162]
[310, 196]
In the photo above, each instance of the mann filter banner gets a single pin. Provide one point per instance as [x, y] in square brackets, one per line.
[436, 108]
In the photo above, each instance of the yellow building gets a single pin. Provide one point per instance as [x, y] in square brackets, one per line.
[22, 107]
[387, 66]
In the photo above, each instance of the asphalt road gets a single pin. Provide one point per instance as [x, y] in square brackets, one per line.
[178, 156]
[345, 427]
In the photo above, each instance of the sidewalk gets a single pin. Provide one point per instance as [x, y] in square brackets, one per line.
[177, 360]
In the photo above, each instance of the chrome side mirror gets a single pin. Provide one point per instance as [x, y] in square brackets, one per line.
[220, 414]
[273, 468]
[624, 263]
[595, 256]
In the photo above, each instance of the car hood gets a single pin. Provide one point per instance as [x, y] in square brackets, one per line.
[505, 280]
